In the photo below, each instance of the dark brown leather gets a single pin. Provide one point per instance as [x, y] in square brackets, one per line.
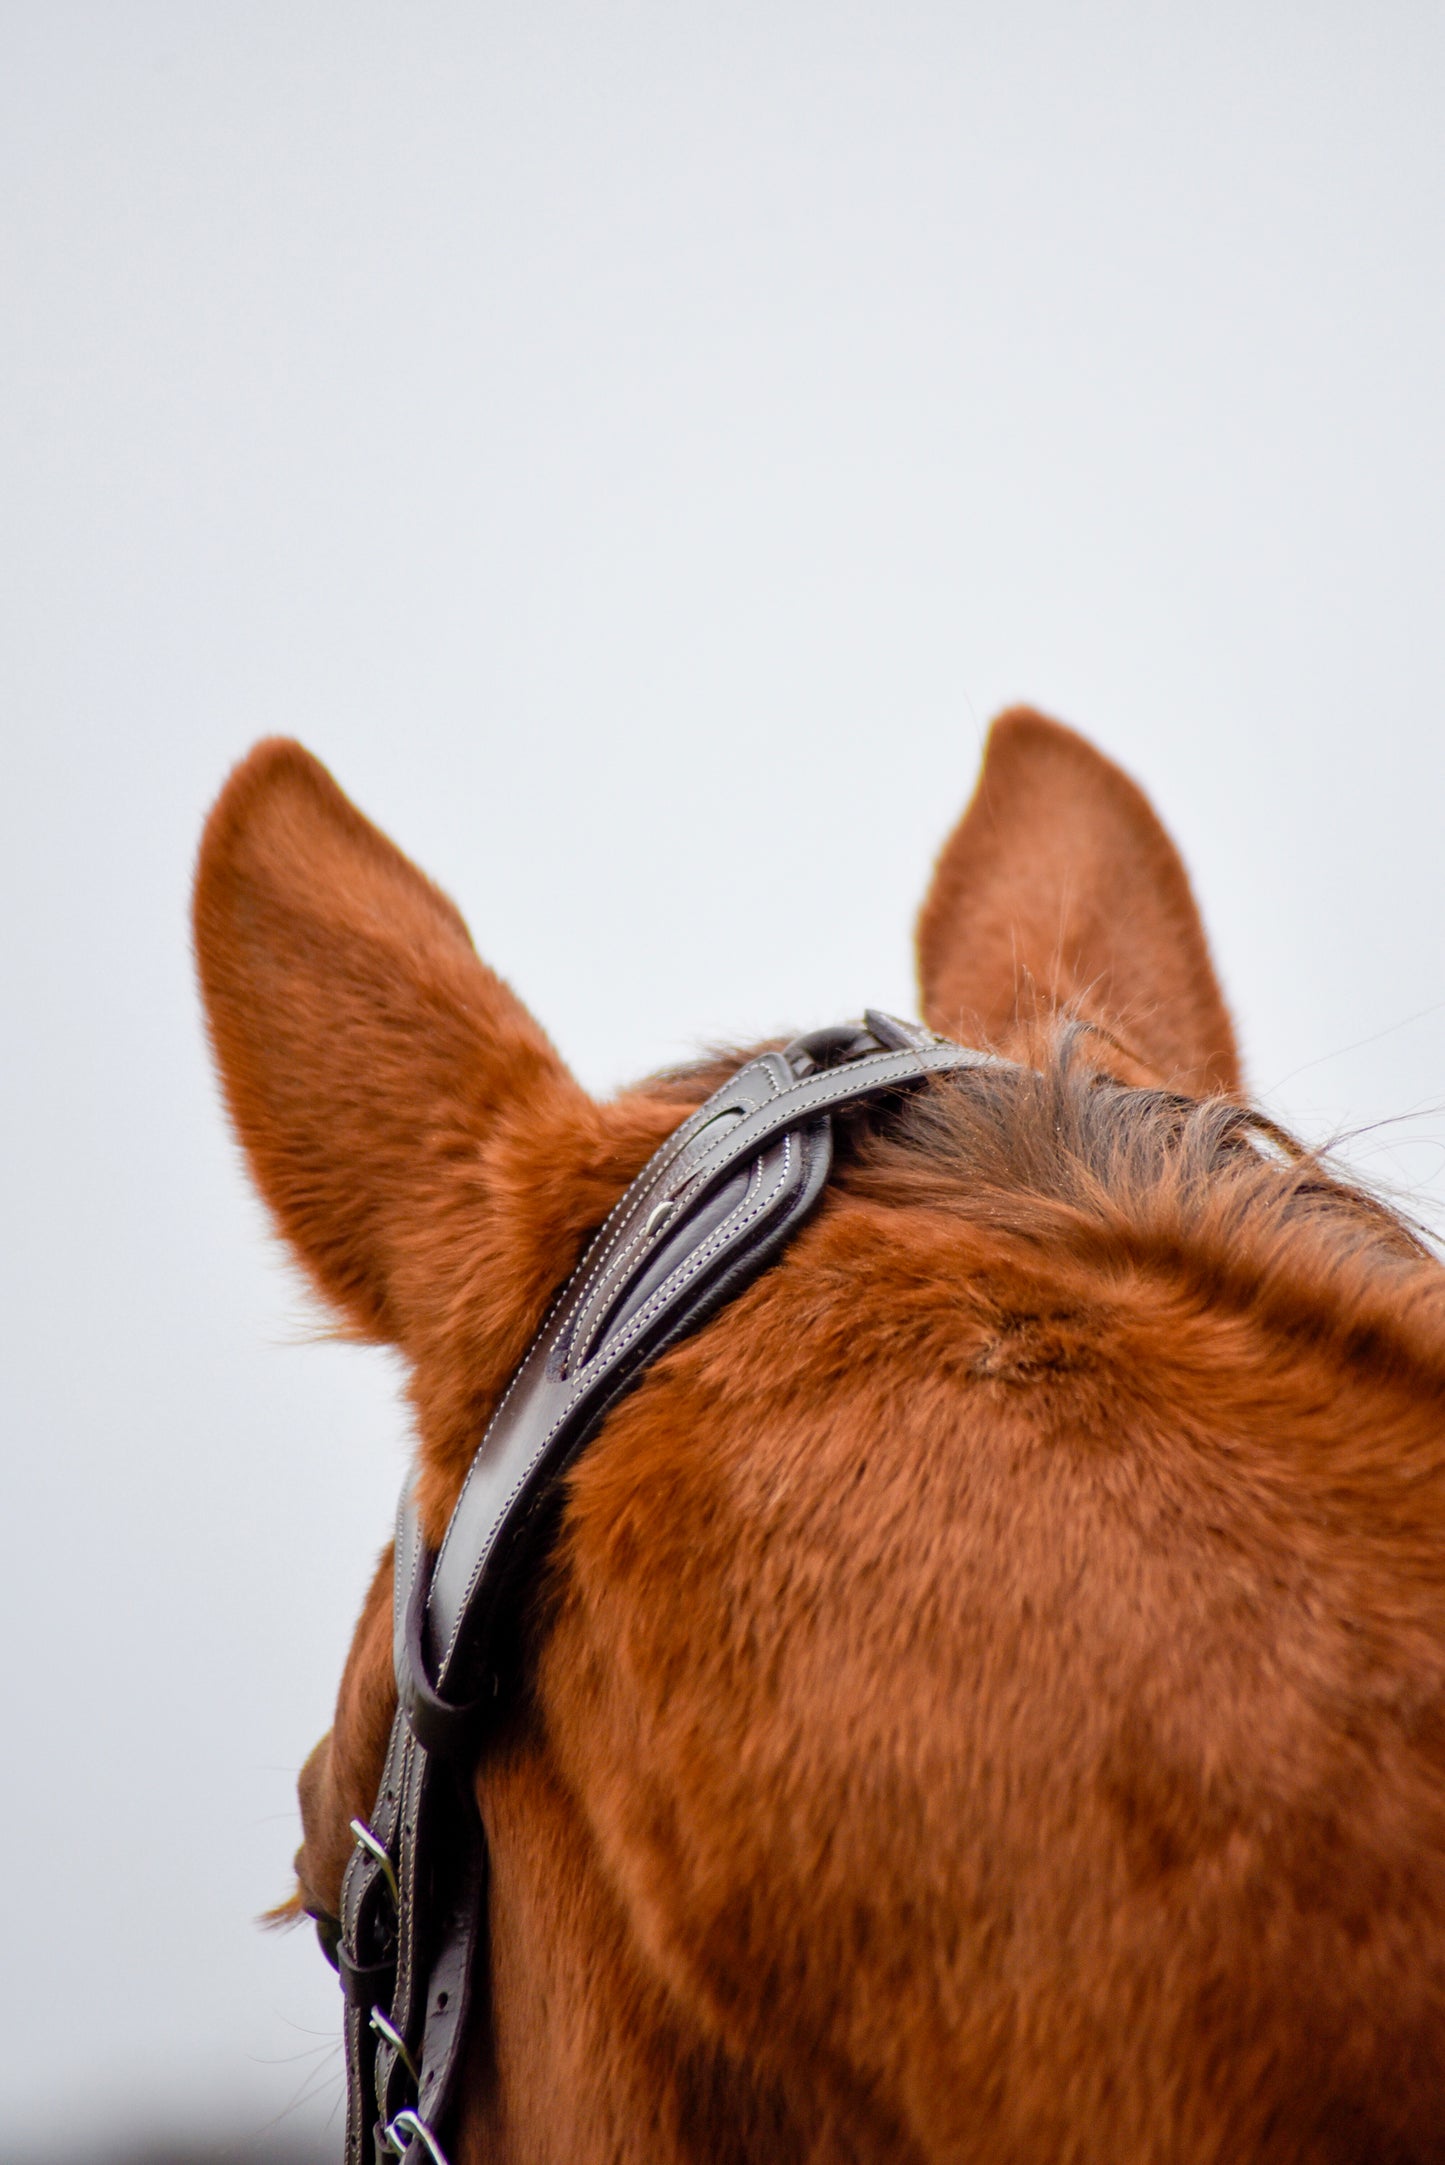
[711, 1209]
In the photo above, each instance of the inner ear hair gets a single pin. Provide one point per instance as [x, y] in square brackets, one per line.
[364, 1049]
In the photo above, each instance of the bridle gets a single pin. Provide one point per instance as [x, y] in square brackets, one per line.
[708, 1211]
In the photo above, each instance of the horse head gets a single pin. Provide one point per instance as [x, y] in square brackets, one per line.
[985, 1697]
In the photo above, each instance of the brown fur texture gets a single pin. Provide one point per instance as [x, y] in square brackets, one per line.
[1059, 888]
[987, 1701]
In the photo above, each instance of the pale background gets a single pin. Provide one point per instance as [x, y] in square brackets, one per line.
[584, 426]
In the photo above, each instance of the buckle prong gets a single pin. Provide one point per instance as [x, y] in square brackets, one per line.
[386, 2028]
[377, 1849]
[413, 2127]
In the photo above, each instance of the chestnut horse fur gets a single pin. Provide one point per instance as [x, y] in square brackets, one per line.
[987, 1699]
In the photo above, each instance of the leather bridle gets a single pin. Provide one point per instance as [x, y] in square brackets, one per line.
[715, 1204]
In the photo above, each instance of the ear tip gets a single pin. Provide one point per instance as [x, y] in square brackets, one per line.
[1023, 733]
[1028, 755]
[270, 766]
[1023, 721]
[274, 770]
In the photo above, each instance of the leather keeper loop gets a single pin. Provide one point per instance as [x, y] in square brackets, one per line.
[364, 1983]
[443, 1729]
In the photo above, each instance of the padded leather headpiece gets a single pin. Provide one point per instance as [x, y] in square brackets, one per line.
[710, 1209]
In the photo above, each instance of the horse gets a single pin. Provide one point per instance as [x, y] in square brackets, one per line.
[984, 1699]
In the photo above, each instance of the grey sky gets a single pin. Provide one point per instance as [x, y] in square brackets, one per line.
[562, 418]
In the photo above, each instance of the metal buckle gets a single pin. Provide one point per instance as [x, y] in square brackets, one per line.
[385, 2028]
[409, 2127]
[377, 1849]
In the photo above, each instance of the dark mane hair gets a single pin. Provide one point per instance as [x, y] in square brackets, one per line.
[1209, 1190]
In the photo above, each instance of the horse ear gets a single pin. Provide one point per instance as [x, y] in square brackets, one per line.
[365, 1051]
[1059, 891]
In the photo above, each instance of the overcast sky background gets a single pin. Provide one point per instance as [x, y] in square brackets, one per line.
[637, 448]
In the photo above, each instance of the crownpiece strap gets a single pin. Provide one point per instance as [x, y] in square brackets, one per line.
[710, 1209]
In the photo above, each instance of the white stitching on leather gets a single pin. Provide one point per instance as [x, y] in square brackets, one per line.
[577, 1351]
[606, 1242]
[739, 1215]
[851, 1082]
[631, 1202]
